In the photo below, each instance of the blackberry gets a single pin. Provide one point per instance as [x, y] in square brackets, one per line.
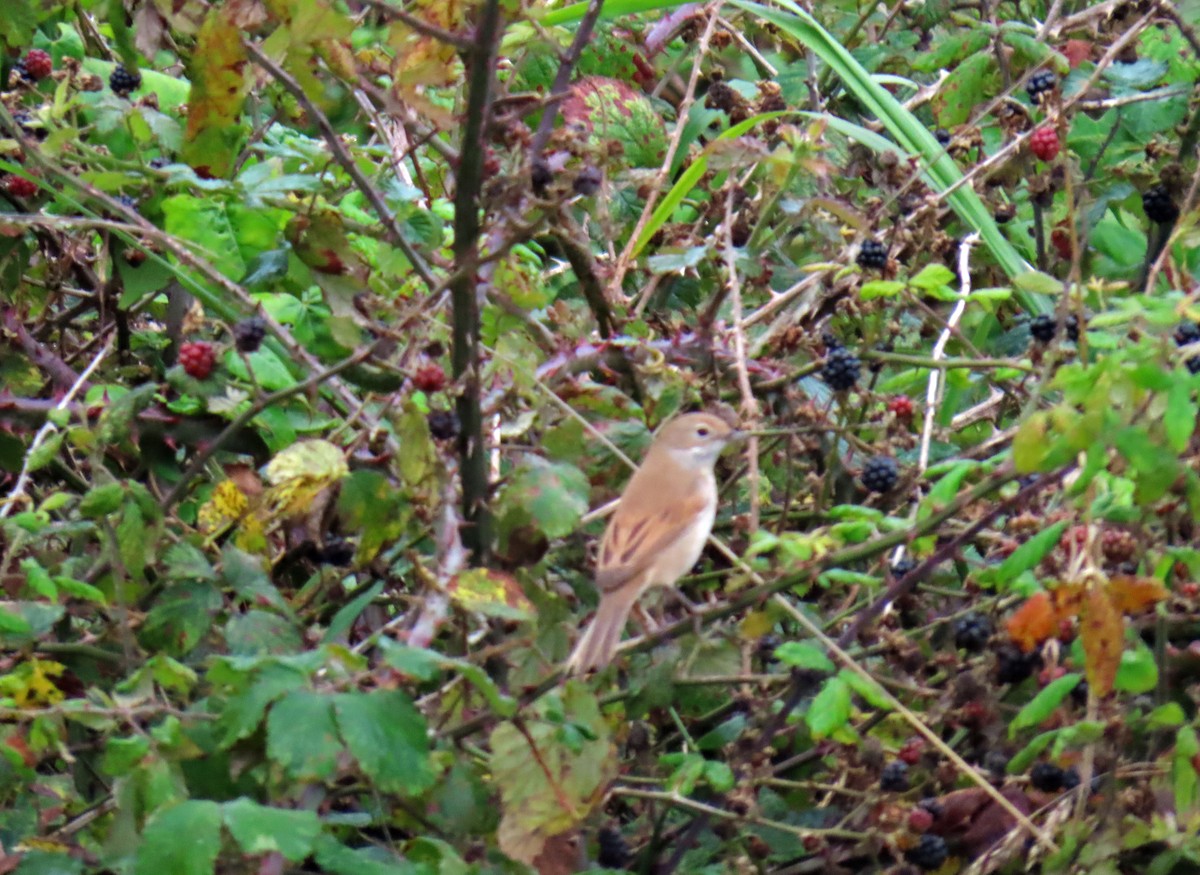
[894, 777]
[19, 73]
[830, 340]
[929, 853]
[36, 65]
[1193, 365]
[337, 552]
[159, 162]
[971, 633]
[444, 424]
[942, 136]
[613, 849]
[430, 378]
[25, 123]
[123, 81]
[1187, 332]
[903, 566]
[127, 201]
[197, 359]
[249, 333]
[1070, 778]
[1039, 83]
[19, 186]
[1079, 693]
[1159, 206]
[880, 474]
[1013, 665]
[540, 176]
[588, 181]
[841, 369]
[1044, 326]
[1044, 143]
[872, 255]
[1047, 777]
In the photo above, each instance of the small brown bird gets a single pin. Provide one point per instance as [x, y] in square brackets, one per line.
[658, 530]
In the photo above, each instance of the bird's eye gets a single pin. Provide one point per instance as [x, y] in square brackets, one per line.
[702, 431]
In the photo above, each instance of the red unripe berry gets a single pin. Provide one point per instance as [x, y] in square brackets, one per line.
[430, 378]
[38, 64]
[19, 186]
[919, 820]
[197, 359]
[901, 406]
[911, 752]
[1044, 143]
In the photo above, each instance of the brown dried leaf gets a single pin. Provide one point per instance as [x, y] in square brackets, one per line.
[1033, 622]
[1132, 595]
[1102, 632]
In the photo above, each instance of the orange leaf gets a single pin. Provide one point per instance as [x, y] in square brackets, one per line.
[1132, 595]
[1102, 632]
[1033, 622]
[1068, 600]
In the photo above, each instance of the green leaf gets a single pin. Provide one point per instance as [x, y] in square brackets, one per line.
[830, 708]
[1041, 706]
[932, 276]
[122, 754]
[1029, 554]
[553, 494]
[1138, 671]
[719, 776]
[388, 737]
[183, 840]
[871, 691]
[1179, 419]
[101, 500]
[302, 736]
[17, 22]
[260, 829]
[804, 654]
[880, 289]
[1184, 779]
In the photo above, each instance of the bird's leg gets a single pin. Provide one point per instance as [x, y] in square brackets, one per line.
[649, 624]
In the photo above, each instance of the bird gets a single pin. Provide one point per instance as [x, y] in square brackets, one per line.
[658, 529]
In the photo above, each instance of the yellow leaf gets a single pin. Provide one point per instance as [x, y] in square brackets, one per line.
[1102, 632]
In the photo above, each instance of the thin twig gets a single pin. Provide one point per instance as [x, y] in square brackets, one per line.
[750, 409]
[48, 427]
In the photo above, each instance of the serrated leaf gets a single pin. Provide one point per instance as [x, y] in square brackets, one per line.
[302, 736]
[388, 737]
[553, 494]
[261, 829]
[183, 840]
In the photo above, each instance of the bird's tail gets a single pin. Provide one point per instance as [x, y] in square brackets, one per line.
[599, 642]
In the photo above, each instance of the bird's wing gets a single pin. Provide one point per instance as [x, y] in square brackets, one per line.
[638, 532]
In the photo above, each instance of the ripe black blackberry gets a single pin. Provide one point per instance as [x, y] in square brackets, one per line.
[971, 633]
[248, 334]
[1070, 778]
[841, 369]
[1159, 206]
[880, 474]
[872, 255]
[894, 777]
[830, 340]
[159, 163]
[123, 82]
[942, 136]
[1044, 326]
[902, 567]
[1046, 777]
[588, 181]
[1186, 332]
[614, 851]
[1193, 364]
[1013, 665]
[444, 424]
[929, 853]
[337, 552]
[1039, 83]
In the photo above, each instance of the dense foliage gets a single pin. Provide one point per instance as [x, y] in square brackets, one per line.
[326, 322]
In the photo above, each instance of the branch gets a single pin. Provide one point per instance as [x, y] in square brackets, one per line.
[464, 296]
[419, 25]
[562, 79]
[338, 148]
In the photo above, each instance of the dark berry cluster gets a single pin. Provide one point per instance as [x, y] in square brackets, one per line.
[1189, 332]
[1013, 665]
[1044, 326]
[841, 369]
[942, 136]
[444, 424]
[1049, 778]
[929, 853]
[613, 850]
[872, 255]
[587, 183]
[880, 474]
[894, 777]
[249, 333]
[197, 359]
[901, 567]
[1159, 206]
[123, 81]
[971, 632]
[1041, 82]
